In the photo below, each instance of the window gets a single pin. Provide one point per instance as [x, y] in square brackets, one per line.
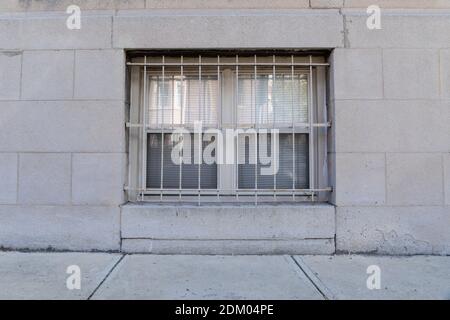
[219, 127]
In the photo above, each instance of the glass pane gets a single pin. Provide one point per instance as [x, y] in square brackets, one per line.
[171, 170]
[269, 102]
[285, 175]
[182, 100]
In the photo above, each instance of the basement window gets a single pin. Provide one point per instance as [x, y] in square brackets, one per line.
[227, 127]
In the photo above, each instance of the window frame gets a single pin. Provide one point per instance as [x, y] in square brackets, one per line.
[317, 130]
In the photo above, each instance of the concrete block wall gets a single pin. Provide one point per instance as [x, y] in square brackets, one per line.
[392, 134]
[62, 141]
[63, 154]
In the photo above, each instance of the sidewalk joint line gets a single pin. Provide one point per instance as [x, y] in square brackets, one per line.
[323, 290]
[106, 277]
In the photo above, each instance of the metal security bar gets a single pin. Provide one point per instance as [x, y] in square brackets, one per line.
[168, 102]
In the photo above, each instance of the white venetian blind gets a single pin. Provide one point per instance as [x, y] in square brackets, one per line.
[182, 100]
[268, 100]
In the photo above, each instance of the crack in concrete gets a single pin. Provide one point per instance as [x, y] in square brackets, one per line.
[313, 279]
[345, 40]
[106, 277]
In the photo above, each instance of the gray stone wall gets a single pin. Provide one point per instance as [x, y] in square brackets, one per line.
[63, 161]
[392, 133]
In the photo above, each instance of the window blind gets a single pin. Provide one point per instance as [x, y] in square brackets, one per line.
[269, 100]
[291, 173]
[172, 171]
[182, 100]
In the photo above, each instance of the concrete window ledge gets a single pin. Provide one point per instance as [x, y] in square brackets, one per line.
[228, 229]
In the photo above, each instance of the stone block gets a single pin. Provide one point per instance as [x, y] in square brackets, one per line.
[48, 30]
[360, 179]
[400, 4]
[229, 247]
[414, 179]
[393, 230]
[325, 4]
[411, 74]
[357, 74]
[447, 178]
[244, 29]
[228, 222]
[392, 126]
[61, 5]
[44, 178]
[47, 75]
[229, 4]
[399, 28]
[100, 74]
[10, 66]
[98, 178]
[78, 228]
[63, 126]
[8, 178]
[445, 73]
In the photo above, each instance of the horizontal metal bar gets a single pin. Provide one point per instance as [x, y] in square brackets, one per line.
[227, 191]
[240, 126]
[270, 125]
[217, 201]
[288, 64]
[133, 125]
[321, 125]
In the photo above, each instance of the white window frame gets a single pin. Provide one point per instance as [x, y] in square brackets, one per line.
[314, 66]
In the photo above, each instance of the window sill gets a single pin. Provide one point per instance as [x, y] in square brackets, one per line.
[239, 228]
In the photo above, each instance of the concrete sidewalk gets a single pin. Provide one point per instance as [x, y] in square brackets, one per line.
[117, 276]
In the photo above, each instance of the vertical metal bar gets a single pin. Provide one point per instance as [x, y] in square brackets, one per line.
[200, 100]
[219, 122]
[293, 128]
[162, 128]
[180, 171]
[181, 94]
[129, 132]
[158, 103]
[144, 134]
[174, 86]
[236, 125]
[273, 126]
[311, 130]
[256, 136]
